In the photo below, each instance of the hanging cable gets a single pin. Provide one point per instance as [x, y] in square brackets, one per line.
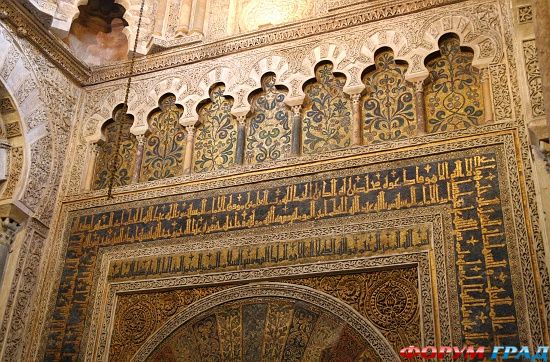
[122, 115]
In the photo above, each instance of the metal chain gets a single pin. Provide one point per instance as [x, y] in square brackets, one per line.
[124, 117]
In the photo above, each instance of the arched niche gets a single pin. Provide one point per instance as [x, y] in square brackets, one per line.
[278, 321]
[164, 149]
[11, 145]
[109, 157]
[12, 158]
[216, 139]
[326, 111]
[453, 95]
[388, 104]
[268, 123]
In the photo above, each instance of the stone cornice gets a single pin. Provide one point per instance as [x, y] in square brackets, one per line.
[25, 25]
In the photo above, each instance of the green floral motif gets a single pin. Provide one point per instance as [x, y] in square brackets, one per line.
[388, 103]
[269, 129]
[164, 149]
[124, 157]
[216, 141]
[452, 93]
[326, 113]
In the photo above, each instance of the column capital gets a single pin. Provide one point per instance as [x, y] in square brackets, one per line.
[140, 139]
[419, 85]
[296, 109]
[355, 98]
[242, 120]
[190, 131]
[95, 147]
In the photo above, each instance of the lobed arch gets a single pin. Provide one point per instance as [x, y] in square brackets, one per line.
[167, 85]
[207, 99]
[104, 112]
[484, 46]
[272, 64]
[207, 81]
[331, 52]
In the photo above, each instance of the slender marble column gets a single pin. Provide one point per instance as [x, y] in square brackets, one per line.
[296, 147]
[420, 113]
[94, 150]
[357, 135]
[241, 135]
[189, 144]
[8, 228]
[139, 158]
[487, 99]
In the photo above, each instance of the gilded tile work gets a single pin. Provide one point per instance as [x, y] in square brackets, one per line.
[99, 252]
[452, 91]
[326, 112]
[268, 124]
[389, 110]
[125, 155]
[467, 181]
[216, 138]
[165, 145]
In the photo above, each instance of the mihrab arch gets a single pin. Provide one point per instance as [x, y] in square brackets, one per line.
[299, 321]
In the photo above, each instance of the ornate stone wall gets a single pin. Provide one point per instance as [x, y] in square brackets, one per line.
[46, 103]
[444, 219]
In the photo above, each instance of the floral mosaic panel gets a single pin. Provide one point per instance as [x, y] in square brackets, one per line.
[268, 125]
[452, 92]
[165, 146]
[327, 112]
[107, 153]
[216, 139]
[389, 111]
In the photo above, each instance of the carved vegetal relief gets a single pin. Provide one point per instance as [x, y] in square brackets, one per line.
[534, 79]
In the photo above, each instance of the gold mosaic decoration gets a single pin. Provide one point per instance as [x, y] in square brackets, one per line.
[165, 146]
[326, 112]
[125, 155]
[452, 91]
[269, 329]
[268, 125]
[389, 111]
[216, 140]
